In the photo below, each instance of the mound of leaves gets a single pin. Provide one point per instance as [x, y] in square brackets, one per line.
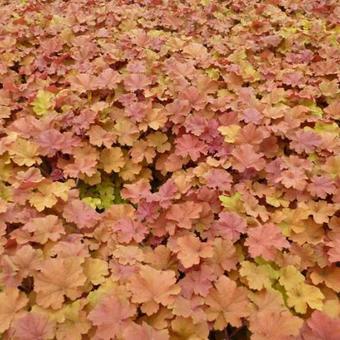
[169, 170]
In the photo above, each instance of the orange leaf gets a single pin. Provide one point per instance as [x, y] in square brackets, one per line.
[111, 317]
[57, 278]
[152, 287]
[190, 250]
[12, 301]
[227, 303]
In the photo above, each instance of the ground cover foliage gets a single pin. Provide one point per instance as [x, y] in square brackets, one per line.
[169, 170]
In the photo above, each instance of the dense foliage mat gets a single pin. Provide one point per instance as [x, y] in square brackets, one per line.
[169, 169]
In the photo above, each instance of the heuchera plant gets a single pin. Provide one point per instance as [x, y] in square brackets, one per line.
[169, 170]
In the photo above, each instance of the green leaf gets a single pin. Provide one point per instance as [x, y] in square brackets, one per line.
[102, 195]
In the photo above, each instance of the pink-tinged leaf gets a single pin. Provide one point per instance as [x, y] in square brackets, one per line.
[52, 45]
[99, 136]
[127, 230]
[190, 250]
[59, 278]
[79, 213]
[136, 81]
[44, 228]
[227, 303]
[334, 250]
[147, 210]
[184, 213]
[305, 141]
[144, 332]
[252, 116]
[178, 110]
[127, 99]
[274, 323]
[122, 272]
[321, 327]
[225, 257]
[81, 166]
[138, 111]
[190, 308]
[128, 255]
[169, 163]
[108, 79]
[111, 317]
[292, 78]
[294, 178]
[196, 99]
[51, 141]
[265, 240]
[165, 194]
[20, 265]
[28, 179]
[321, 186]
[229, 226]
[192, 146]
[152, 287]
[71, 245]
[197, 282]
[219, 179]
[136, 191]
[251, 134]
[333, 109]
[246, 157]
[136, 66]
[176, 68]
[82, 82]
[195, 124]
[81, 122]
[33, 326]
[12, 301]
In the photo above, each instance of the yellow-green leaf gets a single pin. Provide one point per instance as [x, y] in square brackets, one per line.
[233, 202]
[290, 277]
[43, 102]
